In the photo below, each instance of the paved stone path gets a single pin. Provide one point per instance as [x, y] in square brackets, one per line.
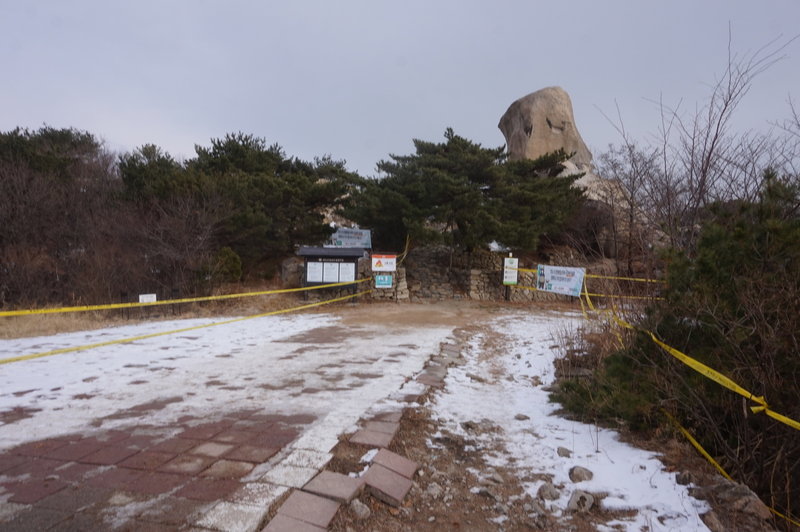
[147, 478]
[142, 468]
[199, 474]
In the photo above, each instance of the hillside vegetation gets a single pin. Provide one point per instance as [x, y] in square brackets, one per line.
[81, 225]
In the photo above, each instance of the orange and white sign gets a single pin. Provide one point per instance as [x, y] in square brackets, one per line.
[384, 263]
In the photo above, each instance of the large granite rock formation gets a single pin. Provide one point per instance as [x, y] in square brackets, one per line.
[542, 122]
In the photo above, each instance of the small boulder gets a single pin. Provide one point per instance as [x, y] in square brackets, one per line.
[359, 509]
[548, 492]
[581, 501]
[580, 474]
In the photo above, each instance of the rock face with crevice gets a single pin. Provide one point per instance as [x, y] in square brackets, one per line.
[543, 122]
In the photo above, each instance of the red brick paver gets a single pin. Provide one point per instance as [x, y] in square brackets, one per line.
[109, 455]
[371, 438]
[283, 523]
[147, 460]
[8, 461]
[76, 450]
[76, 498]
[208, 489]
[39, 448]
[309, 508]
[118, 478]
[335, 486]
[33, 490]
[174, 445]
[252, 453]
[228, 469]
[187, 464]
[155, 483]
[395, 462]
[34, 467]
[386, 427]
[386, 485]
[212, 449]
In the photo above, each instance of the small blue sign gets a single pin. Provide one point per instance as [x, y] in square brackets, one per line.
[383, 281]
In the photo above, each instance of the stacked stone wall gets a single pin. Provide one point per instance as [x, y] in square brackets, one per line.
[440, 273]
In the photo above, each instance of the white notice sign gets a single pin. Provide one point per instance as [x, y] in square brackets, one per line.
[510, 273]
[330, 272]
[560, 279]
[314, 272]
[384, 263]
[347, 272]
[147, 298]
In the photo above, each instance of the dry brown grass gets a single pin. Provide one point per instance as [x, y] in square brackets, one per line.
[48, 324]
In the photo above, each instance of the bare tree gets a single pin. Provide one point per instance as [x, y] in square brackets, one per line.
[702, 159]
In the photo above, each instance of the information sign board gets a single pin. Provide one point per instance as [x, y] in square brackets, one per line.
[510, 273]
[314, 272]
[560, 279]
[147, 298]
[347, 272]
[383, 281]
[345, 237]
[330, 272]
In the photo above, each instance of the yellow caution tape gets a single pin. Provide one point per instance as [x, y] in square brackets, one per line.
[787, 518]
[714, 463]
[697, 445]
[623, 297]
[596, 276]
[776, 416]
[172, 301]
[708, 372]
[164, 333]
[637, 279]
[711, 374]
[403, 255]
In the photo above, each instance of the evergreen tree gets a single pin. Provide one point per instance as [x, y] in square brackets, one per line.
[462, 194]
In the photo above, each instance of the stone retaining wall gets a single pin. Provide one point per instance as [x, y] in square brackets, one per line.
[440, 273]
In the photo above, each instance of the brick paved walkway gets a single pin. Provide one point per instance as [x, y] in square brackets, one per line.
[147, 477]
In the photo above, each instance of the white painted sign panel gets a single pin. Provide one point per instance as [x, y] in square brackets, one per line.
[347, 272]
[330, 272]
[560, 279]
[314, 272]
[147, 298]
[384, 263]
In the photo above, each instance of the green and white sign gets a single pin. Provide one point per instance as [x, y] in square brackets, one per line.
[383, 281]
[510, 273]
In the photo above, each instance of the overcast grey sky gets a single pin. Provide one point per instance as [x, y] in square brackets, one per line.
[359, 79]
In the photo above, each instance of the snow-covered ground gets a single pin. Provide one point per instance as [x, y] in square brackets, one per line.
[334, 373]
[511, 384]
[337, 371]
